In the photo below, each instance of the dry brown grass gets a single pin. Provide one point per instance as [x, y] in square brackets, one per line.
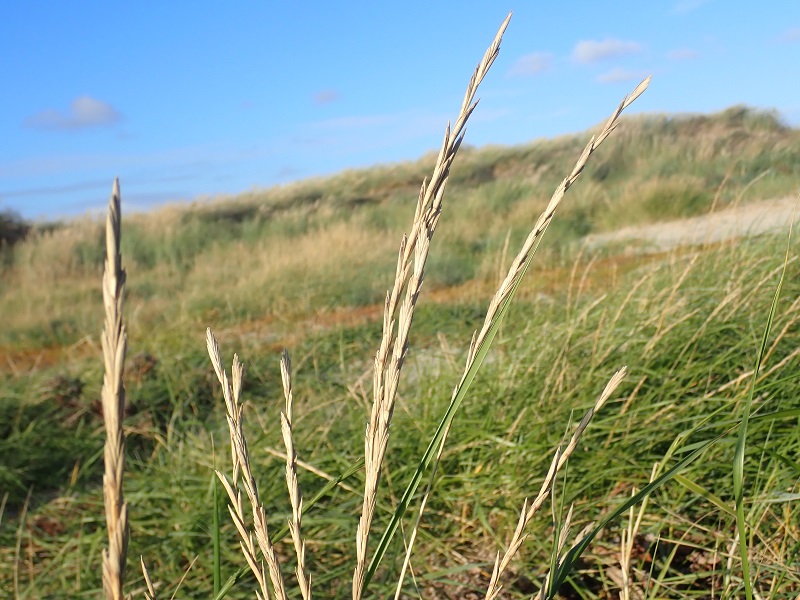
[272, 265]
[56, 255]
[295, 495]
[114, 341]
[408, 283]
[241, 471]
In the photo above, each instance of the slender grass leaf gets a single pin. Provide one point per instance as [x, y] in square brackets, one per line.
[738, 457]
[215, 523]
[704, 493]
[571, 557]
[357, 466]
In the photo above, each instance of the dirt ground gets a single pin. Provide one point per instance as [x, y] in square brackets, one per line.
[753, 218]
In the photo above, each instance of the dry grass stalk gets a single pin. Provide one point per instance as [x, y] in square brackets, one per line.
[295, 496]
[625, 551]
[563, 534]
[231, 389]
[150, 594]
[519, 265]
[408, 277]
[748, 374]
[114, 342]
[627, 539]
[18, 545]
[310, 468]
[518, 269]
[528, 510]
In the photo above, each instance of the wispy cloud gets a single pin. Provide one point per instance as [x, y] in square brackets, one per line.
[172, 163]
[589, 51]
[619, 75]
[361, 133]
[790, 36]
[682, 54]
[531, 64]
[80, 186]
[326, 96]
[353, 122]
[288, 172]
[83, 112]
[686, 6]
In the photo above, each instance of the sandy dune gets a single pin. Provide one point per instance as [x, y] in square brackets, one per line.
[747, 219]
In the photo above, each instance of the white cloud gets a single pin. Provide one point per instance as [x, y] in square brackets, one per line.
[589, 51]
[682, 54]
[618, 75]
[326, 96]
[83, 112]
[531, 64]
[790, 35]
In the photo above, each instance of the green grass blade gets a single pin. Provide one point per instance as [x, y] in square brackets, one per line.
[704, 493]
[557, 523]
[788, 413]
[786, 462]
[439, 437]
[738, 456]
[215, 523]
[232, 580]
[571, 557]
[357, 466]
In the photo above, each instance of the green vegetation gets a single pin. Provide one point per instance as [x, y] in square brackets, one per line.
[306, 267]
[688, 325]
[330, 244]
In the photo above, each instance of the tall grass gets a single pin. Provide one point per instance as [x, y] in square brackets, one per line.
[550, 359]
[685, 332]
[398, 316]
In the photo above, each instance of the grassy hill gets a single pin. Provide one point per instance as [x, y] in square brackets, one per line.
[306, 266]
[329, 243]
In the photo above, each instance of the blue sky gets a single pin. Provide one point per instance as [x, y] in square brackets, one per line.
[184, 100]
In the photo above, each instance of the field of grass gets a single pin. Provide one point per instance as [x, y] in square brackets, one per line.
[307, 266]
